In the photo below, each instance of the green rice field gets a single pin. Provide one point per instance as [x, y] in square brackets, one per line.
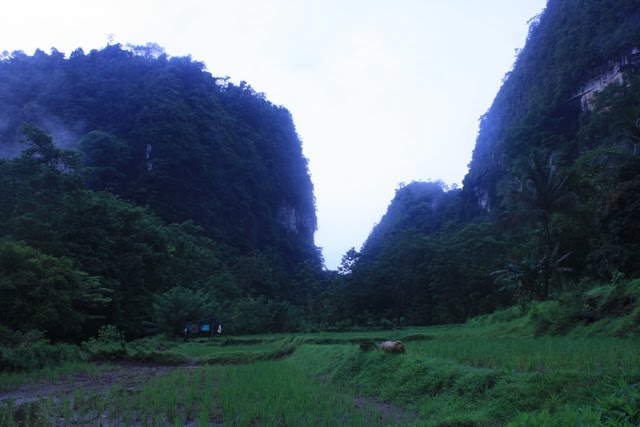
[466, 375]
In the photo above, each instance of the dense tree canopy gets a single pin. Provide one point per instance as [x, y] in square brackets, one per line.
[163, 132]
[150, 191]
[144, 175]
[551, 194]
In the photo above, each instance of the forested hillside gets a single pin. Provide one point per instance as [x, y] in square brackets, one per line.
[570, 45]
[549, 205]
[139, 190]
[127, 174]
[163, 132]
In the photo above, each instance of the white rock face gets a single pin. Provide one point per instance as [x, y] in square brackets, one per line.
[613, 72]
[294, 221]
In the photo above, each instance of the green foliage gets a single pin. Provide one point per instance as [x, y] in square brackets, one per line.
[36, 355]
[166, 400]
[568, 417]
[498, 316]
[530, 279]
[284, 394]
[208, 160]
[570, 43]
[161, 131]
[253, 315]
[554, 318]
[472, 374]
[540, 192]
[110, 334]
[538, 196]
[174, 308]
[619, 221]
[614, 308]
[422, 264]
[560, 180]
[45, 292]
[9, 337]
[227, 228]
[126, 257]
[99, 350]
[105, 161]
[619, 407]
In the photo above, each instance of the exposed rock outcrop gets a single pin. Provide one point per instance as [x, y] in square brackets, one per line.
[613, 71]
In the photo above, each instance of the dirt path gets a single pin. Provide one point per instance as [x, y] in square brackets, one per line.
[131, 375]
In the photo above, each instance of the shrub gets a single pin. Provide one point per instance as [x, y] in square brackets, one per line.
[110, 334]
[109, 345]
[622, 405]
[37, 355]
[557, 317]
[40, 291]
[258, 315]
[8, 337]
[619, 408]
[174, 308]
[618, 303]
[498, 316]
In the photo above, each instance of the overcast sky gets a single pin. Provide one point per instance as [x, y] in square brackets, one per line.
[381, 92]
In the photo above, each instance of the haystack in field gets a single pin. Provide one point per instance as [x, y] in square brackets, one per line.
[395, 347]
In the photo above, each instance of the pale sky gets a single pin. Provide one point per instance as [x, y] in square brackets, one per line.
[381, 92]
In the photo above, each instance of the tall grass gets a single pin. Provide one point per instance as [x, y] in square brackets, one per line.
[11, 380]
[264, 394]
[480, 381]
[283, 394]
[181, 397]
[543, 354]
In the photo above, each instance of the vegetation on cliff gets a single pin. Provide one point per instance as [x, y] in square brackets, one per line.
[134, 173]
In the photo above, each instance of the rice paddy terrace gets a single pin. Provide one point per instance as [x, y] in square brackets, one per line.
[487, 372]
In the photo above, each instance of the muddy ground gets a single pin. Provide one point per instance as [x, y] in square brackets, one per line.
[131, 375]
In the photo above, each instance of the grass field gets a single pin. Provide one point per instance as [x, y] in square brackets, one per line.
[478, 374]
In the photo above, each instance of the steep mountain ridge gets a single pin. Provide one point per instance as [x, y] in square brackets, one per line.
[140, 191]
[163, 132]
[571, 44]
[549, 201]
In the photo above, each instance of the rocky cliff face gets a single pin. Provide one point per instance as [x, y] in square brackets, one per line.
[294, 222]
[574, 50]
[614, 71]
[162, 132]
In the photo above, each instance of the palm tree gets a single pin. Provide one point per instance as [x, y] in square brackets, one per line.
[531, 277]
[541, 193]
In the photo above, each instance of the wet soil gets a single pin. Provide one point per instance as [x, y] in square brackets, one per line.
[132, 376]
[388, 413]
